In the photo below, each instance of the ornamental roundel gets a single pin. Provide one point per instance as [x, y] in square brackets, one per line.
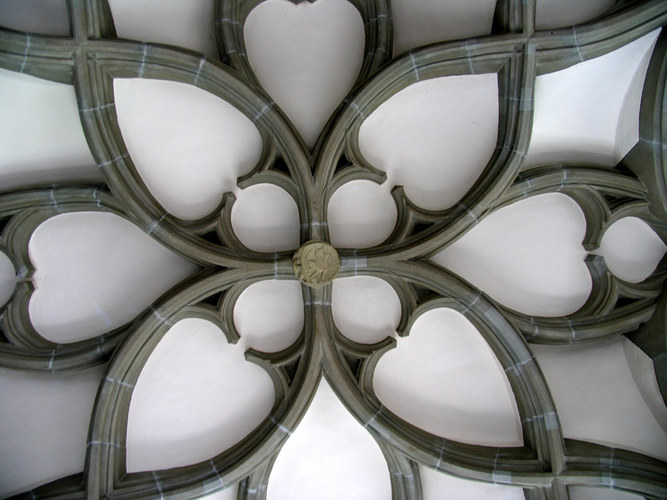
[316, 263]
[548, 464]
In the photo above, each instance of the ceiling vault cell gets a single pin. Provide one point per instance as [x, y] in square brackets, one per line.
[545, 464]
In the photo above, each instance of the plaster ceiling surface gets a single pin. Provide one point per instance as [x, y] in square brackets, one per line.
[492, 175]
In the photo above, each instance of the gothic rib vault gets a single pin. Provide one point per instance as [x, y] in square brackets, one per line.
[547, 463]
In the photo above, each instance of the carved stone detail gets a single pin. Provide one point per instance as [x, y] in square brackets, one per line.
[316, 263]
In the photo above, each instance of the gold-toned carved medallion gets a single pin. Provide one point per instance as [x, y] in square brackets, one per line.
[316, 263]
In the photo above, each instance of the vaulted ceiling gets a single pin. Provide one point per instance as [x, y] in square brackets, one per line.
[488, 176]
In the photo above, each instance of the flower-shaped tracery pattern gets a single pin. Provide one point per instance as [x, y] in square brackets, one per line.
[547, 463]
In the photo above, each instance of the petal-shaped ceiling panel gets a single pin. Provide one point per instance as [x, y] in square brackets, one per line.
[95, 272]
[329, 456]
[365, 309]
[7, 278]
[446, 380]
[589, 112]
[597, 399]
[265, 218]
[421, 22]
[361, 214]
[46, 17]
[269, 315]
[631, 249]
[527, 256]
[437, 486]
[306, 56]
[550, 14]
[434, 137]
[184, 23]
[195, 397]
[166, 124]
[44, 425]
[32, 108]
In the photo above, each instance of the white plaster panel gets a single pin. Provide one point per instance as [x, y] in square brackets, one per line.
[329, 456]
[422, 22]
[166, 124]
[589, 112]
[184, 23]
[94, 272]
[528, 256]
[306, 56]
[445, 379]
[434, 137]
[44, 425]
[195, 397]
[597, 399]
[269, 315]
[41, 139]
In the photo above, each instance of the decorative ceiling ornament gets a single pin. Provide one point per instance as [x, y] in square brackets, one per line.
[547, 463]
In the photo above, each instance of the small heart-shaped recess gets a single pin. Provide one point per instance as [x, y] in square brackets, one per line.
[8, 278]
[329, 456]
[95, 272]
[188, 145]
[445, 379]
[41, 138]
[600, 398]
[528, 256]
[361, 214]
[631, 249]
[195, 397]
[589, 112]
[434, 137]
[365, 309]
[265, 218]
[269, 315]
[306, 56]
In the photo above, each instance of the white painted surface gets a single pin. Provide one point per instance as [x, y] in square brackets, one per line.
[47, 17]
[329, 456]
[631, 249]
[434, 137]
[195, 397]
[94, 272]
[44, 425]
[166, 124]
[229, 493]
[550, 14]
[422, 22]
[445, 379]
[8, 278]
[306, 56]
[365, 309]
[589, 112]
[361, 214]
[184, 23]
[269, 315]
[597, 399]
[527, 256]
[265, 218]
[439, 486]
[41, 139]
[586, 493]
